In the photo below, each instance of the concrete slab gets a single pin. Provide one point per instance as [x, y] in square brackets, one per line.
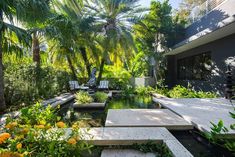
[200, 112]
[146, 117]
[125, 153]
[129, 135]
[89, 106]
[59, 100]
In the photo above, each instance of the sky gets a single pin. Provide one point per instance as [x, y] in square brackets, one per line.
[174, 3]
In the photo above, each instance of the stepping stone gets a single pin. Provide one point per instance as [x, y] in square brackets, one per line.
[107, 136]
[125, 153]
[146, 118]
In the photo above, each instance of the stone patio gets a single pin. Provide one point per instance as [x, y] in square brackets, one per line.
[146, 118]
[200, 112]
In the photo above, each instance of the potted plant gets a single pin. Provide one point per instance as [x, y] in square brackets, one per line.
[84, 100]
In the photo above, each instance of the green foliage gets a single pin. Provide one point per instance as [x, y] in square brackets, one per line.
[37, 114]
[216, 134]
[83, 98]
[118, 77]
[25, 83]
[150, 147]
[38, 132]
[144, 91]
[183, 92]
[128, 91]
[100, 97]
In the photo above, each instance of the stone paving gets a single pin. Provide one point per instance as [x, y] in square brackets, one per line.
[200, 112]
[107, 136]
[146, 117]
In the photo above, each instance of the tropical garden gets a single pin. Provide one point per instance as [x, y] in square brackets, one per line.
[44, 44]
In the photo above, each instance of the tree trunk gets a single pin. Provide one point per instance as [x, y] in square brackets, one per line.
[2, 99]
[72, 68]
[87, 64]
[101, 69]
[36, 49]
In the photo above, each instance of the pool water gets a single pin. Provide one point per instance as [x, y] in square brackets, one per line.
[132, 103]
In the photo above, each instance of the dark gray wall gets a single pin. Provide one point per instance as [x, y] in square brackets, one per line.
[217, 18]
[222, 51]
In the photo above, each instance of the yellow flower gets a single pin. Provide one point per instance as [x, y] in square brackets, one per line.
[75, 126]
[72, 141]
[11, 125]
[4, 137]
[60, 124]
[19, 137]
[39, 126]
[24, 130]
[19, 146]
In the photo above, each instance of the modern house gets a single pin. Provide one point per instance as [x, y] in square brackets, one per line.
[201, 59]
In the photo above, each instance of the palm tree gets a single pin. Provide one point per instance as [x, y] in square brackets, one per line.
[8, 8]
[78, 37]
[34, 16]
[115, 19]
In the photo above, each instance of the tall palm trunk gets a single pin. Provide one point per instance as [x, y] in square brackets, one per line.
[101, 69]
[2, 99]
[36, 49]
[85, 59]
[71, 67]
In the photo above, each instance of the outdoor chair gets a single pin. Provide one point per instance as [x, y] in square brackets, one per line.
[103, 85]
[75, 86]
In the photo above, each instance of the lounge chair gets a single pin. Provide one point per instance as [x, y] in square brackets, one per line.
[104, 85]
[75, 86]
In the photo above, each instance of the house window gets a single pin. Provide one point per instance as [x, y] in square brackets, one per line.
[196, 67]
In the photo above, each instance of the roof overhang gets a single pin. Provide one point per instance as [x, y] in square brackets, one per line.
[204, 37]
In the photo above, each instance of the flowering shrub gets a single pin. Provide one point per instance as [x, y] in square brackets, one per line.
[39, 132]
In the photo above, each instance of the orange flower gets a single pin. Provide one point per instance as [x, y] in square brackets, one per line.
[60, 125]
[72, 141]
[11, 125]
[4, 137]
[39, 126]
[19, 146]
[10, 154]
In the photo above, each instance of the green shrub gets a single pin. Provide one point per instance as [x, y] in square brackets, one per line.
[83, 98]
[144, 91]
[183, 92]
[26, 84]
[128, 91]
[100, 97]
[216, 135]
